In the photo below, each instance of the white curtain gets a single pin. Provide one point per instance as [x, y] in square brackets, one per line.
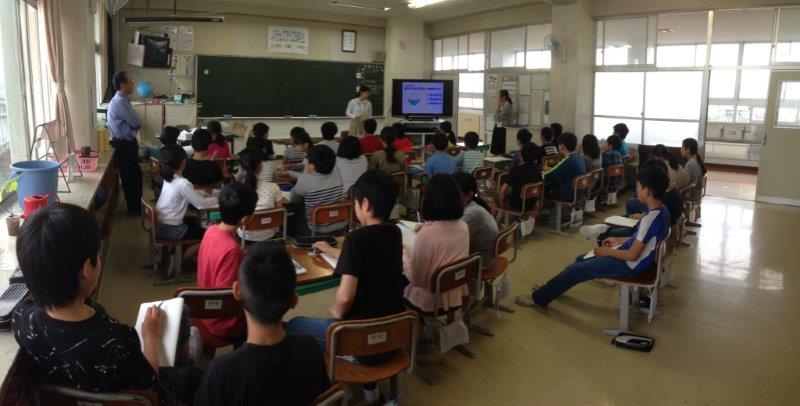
[49, 12]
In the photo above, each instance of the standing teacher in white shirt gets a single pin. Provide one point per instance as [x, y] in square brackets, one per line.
[502, 119]
[358, 110]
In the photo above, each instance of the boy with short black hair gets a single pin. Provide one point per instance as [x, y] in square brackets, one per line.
[319, 184]
[470, 159]
[221, 254]
[621, 130]
[329, 130]
[441, 161]
[558, 129]
[199, 169]
[558, 181]
[524, 138]
[619, 257]
[546, 139]
[273, 366]
[519, 176]
[261, 132]
[301, 142]
[370, 142]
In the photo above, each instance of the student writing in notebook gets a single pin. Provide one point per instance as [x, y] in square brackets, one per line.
[221, 254]
[319, 185]
[273, 366]
[69, 337]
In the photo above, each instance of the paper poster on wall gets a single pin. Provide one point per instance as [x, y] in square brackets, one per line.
[537, 99]
[292, 40]
[536, 117]
[524, 103]
[172, 34]
[540, 82]
[524, 84]
[491, 79]
[523, 119]
[185, 38]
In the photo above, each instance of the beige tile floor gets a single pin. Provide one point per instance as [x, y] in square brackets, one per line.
[734, 185]
[728, 335]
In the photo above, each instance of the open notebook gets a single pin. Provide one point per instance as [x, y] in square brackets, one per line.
[407, 229]
[590, 254]
[173, 310]
[621, 221]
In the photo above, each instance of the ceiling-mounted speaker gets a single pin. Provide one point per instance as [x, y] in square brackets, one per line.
[378, 56]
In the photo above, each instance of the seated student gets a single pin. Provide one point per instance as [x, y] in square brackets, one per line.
[621, 130]
[519, 176]
[546, 139]
[470, 159]
[199, 169]
[590, 151]
[267, 172]
[442, 239]
[273, 366]
[176, 194]
[446, 128]
[561, 176]
[219, 147]
[301, 142]
[221, 254]
[402, 143]
[269, 194]
[678, 177]
[611, 154]
[318, 185]
[695, 167]
[169, 136]
[441, 161]
[557, 129]
[481, 224]
[633, 257]
[388, 159]
[67, 335]
[261, 131]
[350, 163]
[370, 142]
[524, 138]
[329, 131]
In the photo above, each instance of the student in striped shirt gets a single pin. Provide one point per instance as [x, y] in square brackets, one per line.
[301, 142]
[470, 158]
[319, 184]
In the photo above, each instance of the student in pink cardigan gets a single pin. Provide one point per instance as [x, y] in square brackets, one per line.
[444, 238]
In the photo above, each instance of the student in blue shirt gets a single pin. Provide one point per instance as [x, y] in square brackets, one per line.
[559, 179]
[621, 130]
[441, 161]
[634, 256]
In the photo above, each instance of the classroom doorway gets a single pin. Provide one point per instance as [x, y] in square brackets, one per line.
[779, 165]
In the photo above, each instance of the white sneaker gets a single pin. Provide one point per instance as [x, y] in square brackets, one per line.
[591, 232]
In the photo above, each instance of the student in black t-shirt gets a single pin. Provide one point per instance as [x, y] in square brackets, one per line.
[68, 337]
[199, 169]
[370, 263]
[520, 175]
[273, 366]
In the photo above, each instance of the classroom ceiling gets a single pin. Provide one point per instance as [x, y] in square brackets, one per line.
[435, 12]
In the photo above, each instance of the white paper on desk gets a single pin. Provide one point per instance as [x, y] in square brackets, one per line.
[173, 311]
[298, 269]
[621, 221]
[286, 195]
[590, 254]
[330, 260]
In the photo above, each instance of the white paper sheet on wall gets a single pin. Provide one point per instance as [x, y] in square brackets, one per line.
[185, 38]
[537, 99]
[540, 81]
[524, 103]
[536, 117]
[524, 86]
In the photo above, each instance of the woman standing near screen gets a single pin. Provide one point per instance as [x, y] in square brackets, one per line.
[358, 110]
[502, 119]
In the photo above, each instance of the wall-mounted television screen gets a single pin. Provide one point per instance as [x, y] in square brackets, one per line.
[422, 98]
[157, 53]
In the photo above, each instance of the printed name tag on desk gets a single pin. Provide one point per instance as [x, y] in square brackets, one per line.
[213, 304]
[376, 338]
[266, 220]
[333, 213]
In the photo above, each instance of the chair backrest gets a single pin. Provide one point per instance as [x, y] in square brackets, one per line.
[335, 395]
[329, 213]
[505, 239]
[372, 336]
[57, 395]
[400, 179]
[453, 275]
[532, 191]
[482, 174]
[615, 171]
[596, 183]
[265, 220]
[551, 160]
[581, 185]
[149, 218]
[210, 303]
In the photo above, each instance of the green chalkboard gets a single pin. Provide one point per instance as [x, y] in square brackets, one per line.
[267, 87]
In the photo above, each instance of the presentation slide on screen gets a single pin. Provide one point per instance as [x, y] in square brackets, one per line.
[423, 98]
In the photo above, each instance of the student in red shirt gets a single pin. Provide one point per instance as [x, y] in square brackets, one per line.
[220, 253]
[401, 143]
[218, 148]
[370, 142]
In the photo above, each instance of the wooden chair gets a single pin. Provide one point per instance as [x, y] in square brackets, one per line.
[581, 187]
[401, 180]
[446, 278]
[149, 223]
[335, 395]
[361, 338]
[614, 179]
[550, 161]
[483, 176]
[596, 186]
[529, 191]
[58, 395]
[504, 241]
[329, 213]
[697, 198]
[648, 279]
[210, 303]
[264, 220]
[156, 181]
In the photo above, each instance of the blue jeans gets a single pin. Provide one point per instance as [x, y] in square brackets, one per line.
[634, 206]
[317, 328]
[580, 271]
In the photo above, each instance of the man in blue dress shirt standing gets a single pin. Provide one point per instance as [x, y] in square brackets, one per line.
[124, 125]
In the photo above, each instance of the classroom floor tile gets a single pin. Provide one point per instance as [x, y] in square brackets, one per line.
[727, 335]
[731, 184]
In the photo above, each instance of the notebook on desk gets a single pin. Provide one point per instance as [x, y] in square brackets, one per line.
[173, 311]
[621, 221]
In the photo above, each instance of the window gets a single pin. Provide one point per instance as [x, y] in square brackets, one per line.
[5, 131]
[619, 94]
[681, 39]
[673, 95]
[470, 90]
[464, 52]
[508, 48]
[40, 90]
[625, 41]
[537, 56]
[787, 48]
[789, 105]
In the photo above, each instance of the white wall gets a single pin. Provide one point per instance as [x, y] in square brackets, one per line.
[405, 54]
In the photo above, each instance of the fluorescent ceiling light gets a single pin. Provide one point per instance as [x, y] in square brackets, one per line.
[422, 3]
[340, 4]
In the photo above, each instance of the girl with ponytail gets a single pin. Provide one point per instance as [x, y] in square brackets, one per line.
[269, 194]
[694, 162]
[482, 226]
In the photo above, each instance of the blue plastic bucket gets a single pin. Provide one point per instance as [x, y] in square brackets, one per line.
[36, 178]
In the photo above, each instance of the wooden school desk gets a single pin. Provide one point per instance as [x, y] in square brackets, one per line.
[319, 273]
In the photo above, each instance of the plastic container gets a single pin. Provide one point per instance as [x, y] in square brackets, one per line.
[36, 178]
[89, 164]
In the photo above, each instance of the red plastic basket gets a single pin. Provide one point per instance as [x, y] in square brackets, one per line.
[87, 164]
